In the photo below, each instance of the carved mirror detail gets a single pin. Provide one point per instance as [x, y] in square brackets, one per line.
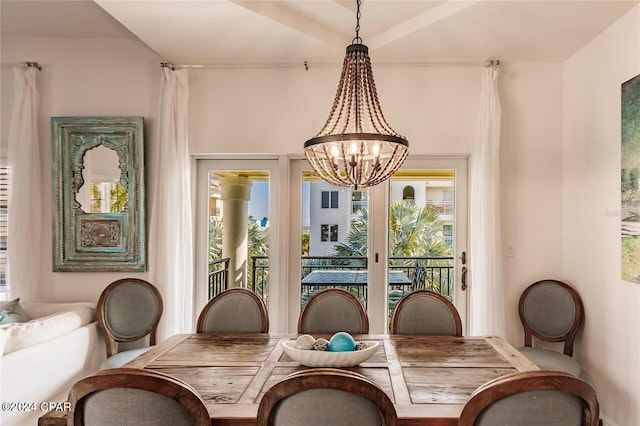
[98, 169]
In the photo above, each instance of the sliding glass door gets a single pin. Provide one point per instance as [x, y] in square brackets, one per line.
[382, 242]
[235, 227]
[274, 227]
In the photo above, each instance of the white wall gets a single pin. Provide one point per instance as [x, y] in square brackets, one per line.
[86, 77]
[609, 348]
[531, 164]
[275, 110]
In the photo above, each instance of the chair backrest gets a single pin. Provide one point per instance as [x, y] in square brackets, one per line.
[333, 310]
[426, 312]
[131, 396]
[532, 398]
[326, 396]
[129, 309]
[551, 311]
[419, 277]
[237, 310]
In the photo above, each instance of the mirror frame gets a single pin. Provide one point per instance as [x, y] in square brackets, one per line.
[78, 237]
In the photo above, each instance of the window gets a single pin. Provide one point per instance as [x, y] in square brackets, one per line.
[329, 199]
[359, 201]
[447, 231]
[107, 196]
[4, 228]
[409, 194]
[328, 232]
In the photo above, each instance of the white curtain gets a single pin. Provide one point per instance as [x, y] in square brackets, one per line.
[25, 204]
[485, 260]
[171, 228]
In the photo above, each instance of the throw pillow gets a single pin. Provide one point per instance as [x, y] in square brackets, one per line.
[12, 312]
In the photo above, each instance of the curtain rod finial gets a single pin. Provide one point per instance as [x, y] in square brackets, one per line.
[34, 65]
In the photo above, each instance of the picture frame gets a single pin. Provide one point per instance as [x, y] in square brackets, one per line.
[98, 194]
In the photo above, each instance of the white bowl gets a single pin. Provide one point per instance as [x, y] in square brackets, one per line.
[312, 358]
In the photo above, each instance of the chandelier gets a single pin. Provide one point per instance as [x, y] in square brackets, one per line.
[356, 146]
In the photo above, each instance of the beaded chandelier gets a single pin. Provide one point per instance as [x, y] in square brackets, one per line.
[356, 146]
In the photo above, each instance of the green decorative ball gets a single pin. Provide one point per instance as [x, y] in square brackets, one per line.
[342, 342]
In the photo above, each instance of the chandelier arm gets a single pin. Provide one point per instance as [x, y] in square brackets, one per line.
[321, 167]
[389, 167]
[348, 168]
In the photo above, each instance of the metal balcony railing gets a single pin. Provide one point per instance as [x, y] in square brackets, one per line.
[439, 275]
[442, 207]
[218, 279]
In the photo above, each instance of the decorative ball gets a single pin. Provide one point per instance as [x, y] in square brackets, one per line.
[342, 342]
[305, 342]
[361, 345]
[321, 344]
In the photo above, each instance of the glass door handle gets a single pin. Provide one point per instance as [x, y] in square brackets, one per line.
[463, 278]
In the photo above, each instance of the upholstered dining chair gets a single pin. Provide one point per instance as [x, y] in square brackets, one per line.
[129, 309]
[135, 397]
[426, 312]
[236, 310]
[333, 310]
[326, 396]
[532, 398]
[551, 311]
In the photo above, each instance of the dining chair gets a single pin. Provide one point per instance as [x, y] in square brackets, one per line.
[128, 310]
[135, 397]
[236, 310]
[333, 310]
[426, 312]
[326, 396]
[532, 398]
[551, 311]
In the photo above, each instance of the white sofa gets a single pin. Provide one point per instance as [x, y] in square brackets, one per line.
[44, 357]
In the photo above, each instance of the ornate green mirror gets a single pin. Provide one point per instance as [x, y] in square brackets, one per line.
[98, 194]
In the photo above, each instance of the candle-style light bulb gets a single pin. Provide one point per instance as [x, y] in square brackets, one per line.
[334, 151]
[353, 149]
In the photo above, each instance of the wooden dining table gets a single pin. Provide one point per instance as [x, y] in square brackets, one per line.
[428, 378]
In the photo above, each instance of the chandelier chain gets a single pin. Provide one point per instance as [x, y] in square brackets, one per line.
[357, 39]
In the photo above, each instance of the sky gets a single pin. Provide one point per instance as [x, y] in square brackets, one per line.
[259, 201]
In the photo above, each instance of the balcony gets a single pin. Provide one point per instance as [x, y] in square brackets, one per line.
[439, 276]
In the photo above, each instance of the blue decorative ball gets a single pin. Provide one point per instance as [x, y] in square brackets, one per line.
[342, 342]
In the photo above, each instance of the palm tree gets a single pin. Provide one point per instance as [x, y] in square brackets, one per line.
[413, 232]
[258, 245]
[119, 198]
[215, 238]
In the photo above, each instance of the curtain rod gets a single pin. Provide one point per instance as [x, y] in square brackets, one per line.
[307, 64]
[23, 64]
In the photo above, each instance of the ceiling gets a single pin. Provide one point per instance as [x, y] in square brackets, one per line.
[240, 32]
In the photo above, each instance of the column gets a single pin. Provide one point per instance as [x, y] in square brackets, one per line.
[235, 192]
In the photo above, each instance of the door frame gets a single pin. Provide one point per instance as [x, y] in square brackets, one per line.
[273, 165]
[378, 242]
[379, 218]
